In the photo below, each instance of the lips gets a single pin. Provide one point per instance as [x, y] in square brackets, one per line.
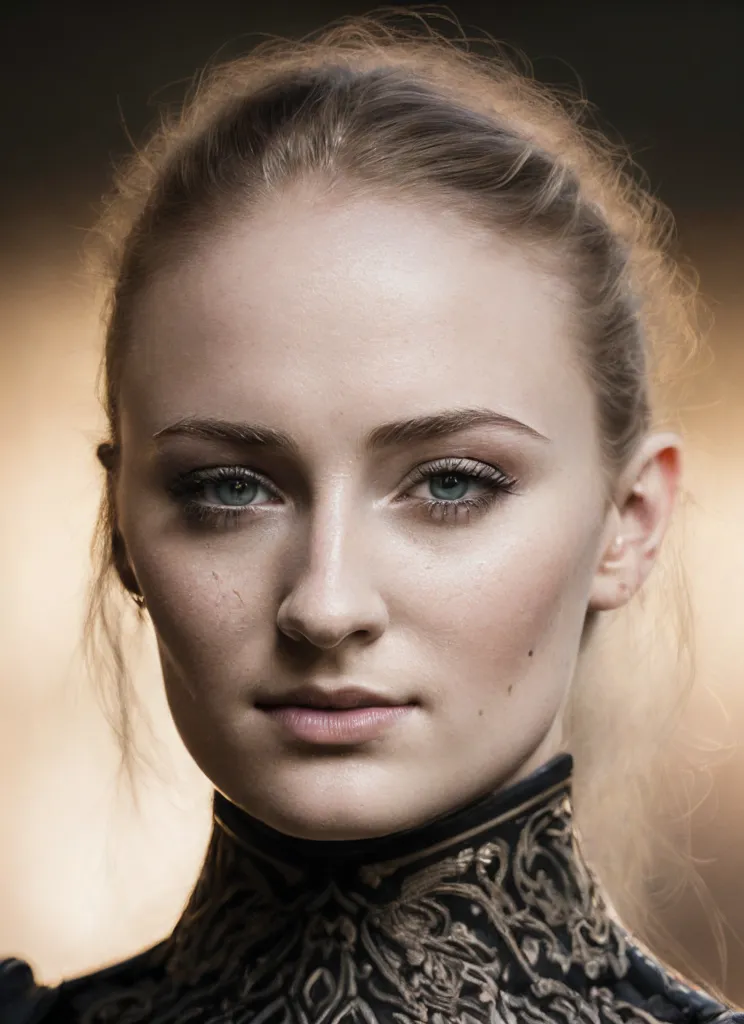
[347, 717]
[330, 700]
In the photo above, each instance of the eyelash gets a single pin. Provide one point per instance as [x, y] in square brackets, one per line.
[187, 486]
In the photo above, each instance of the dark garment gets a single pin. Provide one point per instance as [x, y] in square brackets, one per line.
[488, 915]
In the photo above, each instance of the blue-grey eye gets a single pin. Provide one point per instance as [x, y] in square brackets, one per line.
[450, 482]
[232, 492]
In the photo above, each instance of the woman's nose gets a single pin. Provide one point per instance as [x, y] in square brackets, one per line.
[335, 595]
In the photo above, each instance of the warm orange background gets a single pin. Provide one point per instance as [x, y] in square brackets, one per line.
[83, 880]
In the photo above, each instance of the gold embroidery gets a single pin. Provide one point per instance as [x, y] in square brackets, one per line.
[501, 924]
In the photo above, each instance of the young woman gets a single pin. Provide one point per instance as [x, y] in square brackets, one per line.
[379, 376]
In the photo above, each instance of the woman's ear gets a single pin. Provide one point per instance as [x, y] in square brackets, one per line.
[108, 455]
[645, 497]
[123, 566]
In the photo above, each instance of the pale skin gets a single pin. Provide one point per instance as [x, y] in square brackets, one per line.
[324, 317]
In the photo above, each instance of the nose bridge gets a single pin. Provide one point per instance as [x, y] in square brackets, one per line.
[333, 528]
[333, 593]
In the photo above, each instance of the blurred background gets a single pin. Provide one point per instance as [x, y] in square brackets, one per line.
[84, 880]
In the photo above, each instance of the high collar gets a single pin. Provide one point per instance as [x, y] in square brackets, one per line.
[464, 825]
[486, 914]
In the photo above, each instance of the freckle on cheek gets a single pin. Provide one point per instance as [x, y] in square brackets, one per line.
[511, 687]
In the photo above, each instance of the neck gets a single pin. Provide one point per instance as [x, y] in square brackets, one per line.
[490, 904]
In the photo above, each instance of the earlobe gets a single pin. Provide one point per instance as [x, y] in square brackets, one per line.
[107, 454]
[642, 513]
[612, 581]
[124, 569]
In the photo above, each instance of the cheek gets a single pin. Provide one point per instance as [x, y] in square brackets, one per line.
[211, 600]
[213, 614]
[495, 604]
[505, 619]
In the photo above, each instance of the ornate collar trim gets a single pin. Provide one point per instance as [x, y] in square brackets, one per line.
[460, 826]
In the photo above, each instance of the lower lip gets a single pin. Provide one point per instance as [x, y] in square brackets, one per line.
[344, 726]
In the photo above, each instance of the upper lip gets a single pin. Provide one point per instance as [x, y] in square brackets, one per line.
[317, 697]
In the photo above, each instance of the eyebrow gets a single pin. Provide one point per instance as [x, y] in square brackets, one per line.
[396, 434]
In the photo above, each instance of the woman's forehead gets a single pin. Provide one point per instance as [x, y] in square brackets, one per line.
[332, 306]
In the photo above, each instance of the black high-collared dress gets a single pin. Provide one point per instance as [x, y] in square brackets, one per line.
[486, 916]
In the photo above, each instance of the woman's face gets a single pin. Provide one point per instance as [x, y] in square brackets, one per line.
[297, 515]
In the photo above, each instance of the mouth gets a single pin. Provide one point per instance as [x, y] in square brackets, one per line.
[332, 726]
[346, 717]
[330, 700]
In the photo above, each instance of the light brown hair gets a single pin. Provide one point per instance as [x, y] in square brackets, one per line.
[372, 106]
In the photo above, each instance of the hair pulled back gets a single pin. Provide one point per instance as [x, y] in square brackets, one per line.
[368, 106]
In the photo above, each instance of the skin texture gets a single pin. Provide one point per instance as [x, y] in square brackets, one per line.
[324, 316]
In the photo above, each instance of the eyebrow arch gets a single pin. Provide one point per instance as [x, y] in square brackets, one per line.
[396, 434]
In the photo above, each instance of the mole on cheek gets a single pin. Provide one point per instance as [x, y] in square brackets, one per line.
[530, 653]
[511, 687]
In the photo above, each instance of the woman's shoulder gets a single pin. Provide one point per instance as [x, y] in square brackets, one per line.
[24, 1001]
[667, 996]
[660, 996]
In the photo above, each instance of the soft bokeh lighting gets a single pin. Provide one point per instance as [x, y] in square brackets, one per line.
[84, 879]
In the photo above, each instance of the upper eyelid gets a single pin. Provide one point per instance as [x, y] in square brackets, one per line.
[452, 463]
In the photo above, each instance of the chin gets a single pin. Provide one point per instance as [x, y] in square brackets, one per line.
[343, 809]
